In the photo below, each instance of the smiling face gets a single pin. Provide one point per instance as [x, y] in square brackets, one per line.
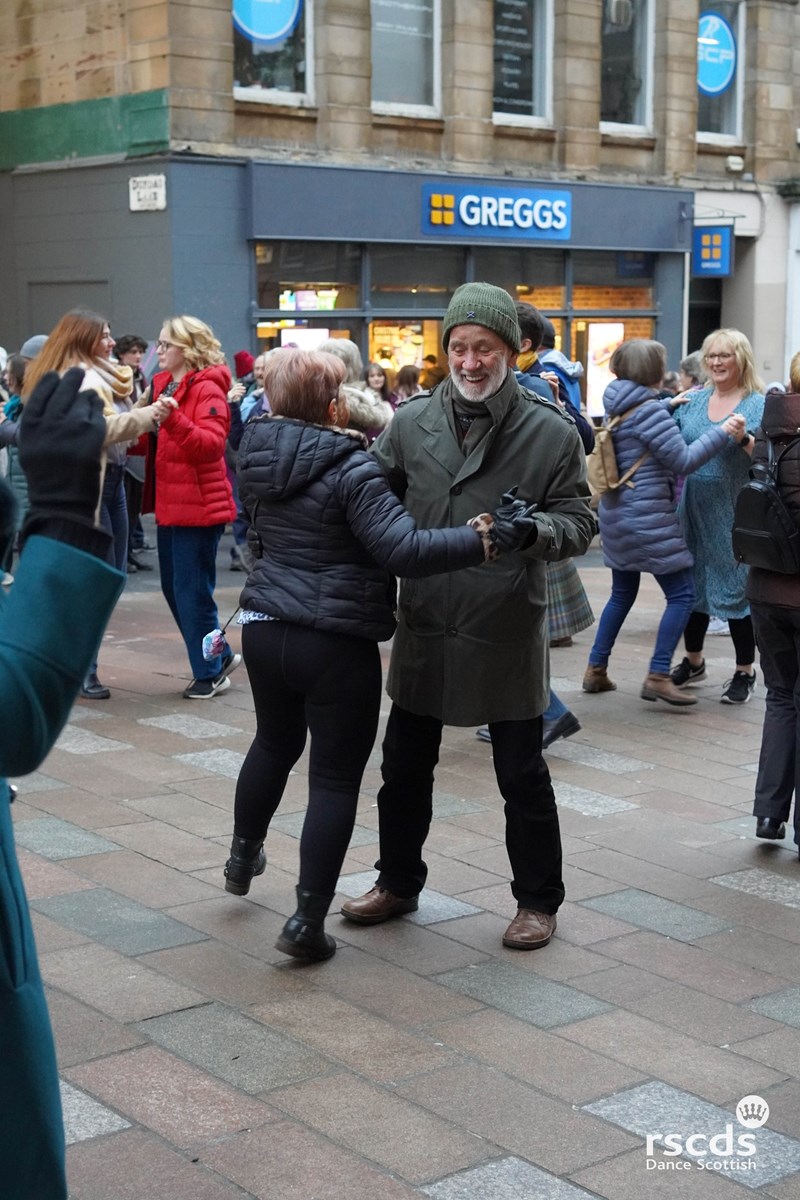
[376, 378]
[479, 361]
[105, 343]
[722, 366]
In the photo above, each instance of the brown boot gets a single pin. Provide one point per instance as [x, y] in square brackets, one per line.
[659, 686]
[596, 679]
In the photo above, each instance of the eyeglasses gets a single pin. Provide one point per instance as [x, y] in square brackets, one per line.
[164, 345]
[719, 357]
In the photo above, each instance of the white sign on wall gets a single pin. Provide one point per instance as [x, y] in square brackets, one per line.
[147, 193]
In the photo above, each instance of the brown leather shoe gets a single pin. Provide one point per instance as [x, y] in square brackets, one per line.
[529, 930]
[659, 686]
[595, 679]
[378, 905]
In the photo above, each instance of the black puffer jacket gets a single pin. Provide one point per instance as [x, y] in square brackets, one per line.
[780, 422]
[332, 535]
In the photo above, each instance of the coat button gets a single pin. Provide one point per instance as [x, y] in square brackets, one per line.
[457, 490]
[452, 631]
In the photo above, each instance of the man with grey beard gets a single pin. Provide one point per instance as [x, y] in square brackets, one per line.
[471, 647]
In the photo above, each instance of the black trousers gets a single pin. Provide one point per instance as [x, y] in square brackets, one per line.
[778, 636]
[405, 807]
[326, 684]
[741, 631]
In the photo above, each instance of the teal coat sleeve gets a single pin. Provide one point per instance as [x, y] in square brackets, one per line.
[50, 626]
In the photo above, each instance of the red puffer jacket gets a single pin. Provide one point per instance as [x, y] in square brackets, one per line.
[192, 485]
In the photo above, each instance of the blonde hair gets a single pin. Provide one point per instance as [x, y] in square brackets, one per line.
[736, 342]
[794, 372]
[197, 341]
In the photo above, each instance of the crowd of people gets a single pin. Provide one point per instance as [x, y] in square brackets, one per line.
[366, 507]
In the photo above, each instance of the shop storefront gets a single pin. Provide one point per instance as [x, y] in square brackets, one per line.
[376, 256]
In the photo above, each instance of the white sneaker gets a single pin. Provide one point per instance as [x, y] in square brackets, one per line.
[717, 626]
[7, 580]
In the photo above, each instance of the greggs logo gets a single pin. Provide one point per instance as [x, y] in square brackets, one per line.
[537, 214]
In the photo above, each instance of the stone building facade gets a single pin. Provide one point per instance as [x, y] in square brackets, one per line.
[94, 93]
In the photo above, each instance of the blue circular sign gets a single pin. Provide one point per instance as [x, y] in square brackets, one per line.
[267, 21]
[716, 54]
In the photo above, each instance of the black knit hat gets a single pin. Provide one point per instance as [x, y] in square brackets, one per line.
[483, 304]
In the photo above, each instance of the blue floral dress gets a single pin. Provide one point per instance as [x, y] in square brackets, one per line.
[706, 509]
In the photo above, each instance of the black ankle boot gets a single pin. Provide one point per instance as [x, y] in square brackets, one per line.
[247, 859]
[303, 935]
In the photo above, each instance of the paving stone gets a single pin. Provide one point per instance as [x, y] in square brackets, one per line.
[83, 712]
[327, 1171]
[183, 1105]
[185, 812]
[134, 1165]
[766, 886]
[196, 728]
[523, 994]
[86, 1118]
[46, 878]
[780, 1050]
[226, 974]
[82, 741]
[168, 845]
[653, 912]
[626, 1178]
[115, 921]
[56, 839]
[599, 760]
[83, 1033]
[243, 1052]
[543, 1060]
[708, 1018]
[382, 1127]
[545, 1131]
[504, 1179]
[220, 762]
[37, 782]
[590, 803]
[139, 878]
[127, 991]
[655, 1108]
[682, 1061]
[445, 804]
[780, 1006]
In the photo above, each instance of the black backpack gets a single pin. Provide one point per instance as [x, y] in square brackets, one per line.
[765, 533]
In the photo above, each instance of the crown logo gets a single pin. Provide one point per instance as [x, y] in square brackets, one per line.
[752, 1112]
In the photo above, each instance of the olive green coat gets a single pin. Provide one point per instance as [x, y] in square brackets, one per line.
[472, 646]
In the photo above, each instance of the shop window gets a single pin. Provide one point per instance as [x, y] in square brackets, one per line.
[626, 63]
[535, 276]
[273, 51]
[405, 56]
[523, 51]
[612, 280]
[306, 334]
[720, 68]
[295, 277]
[413, 278]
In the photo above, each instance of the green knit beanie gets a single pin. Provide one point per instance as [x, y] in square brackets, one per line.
[483, 304]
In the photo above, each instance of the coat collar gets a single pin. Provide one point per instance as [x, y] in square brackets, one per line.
[440, 441]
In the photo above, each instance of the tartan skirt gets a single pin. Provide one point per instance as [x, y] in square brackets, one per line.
[568, 607]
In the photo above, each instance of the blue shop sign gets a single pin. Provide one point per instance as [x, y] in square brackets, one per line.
[716, 54]
[490, 212]
[266, 21]
[712, 250]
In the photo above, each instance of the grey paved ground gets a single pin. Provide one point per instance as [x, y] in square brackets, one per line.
[423, 1059]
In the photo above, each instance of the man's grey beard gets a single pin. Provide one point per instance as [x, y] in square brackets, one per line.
[479, 393]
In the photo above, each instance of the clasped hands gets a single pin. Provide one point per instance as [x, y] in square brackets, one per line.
[510, 527]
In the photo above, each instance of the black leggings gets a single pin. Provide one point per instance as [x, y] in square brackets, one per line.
[326, 684]
[741, 628]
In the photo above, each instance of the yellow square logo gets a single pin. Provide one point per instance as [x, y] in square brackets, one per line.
[442, 211]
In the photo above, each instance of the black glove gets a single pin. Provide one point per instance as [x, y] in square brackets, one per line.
[513, 526]
[61, 437]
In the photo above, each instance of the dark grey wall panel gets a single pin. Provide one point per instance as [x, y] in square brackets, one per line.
[212, 258]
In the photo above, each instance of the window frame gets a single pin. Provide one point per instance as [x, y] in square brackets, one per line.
[432, 111]
[276, 97]
[518, 120]
[621, 128]
[705, 138]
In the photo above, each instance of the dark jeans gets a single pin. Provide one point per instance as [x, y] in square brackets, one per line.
[405, 807]
[778, 635]
[187, 558]
[678, 588]
[134, 491]
[326, 684]
[114, 519]
[741, 631]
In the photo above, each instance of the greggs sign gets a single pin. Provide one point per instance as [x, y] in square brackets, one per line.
[490, 212]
